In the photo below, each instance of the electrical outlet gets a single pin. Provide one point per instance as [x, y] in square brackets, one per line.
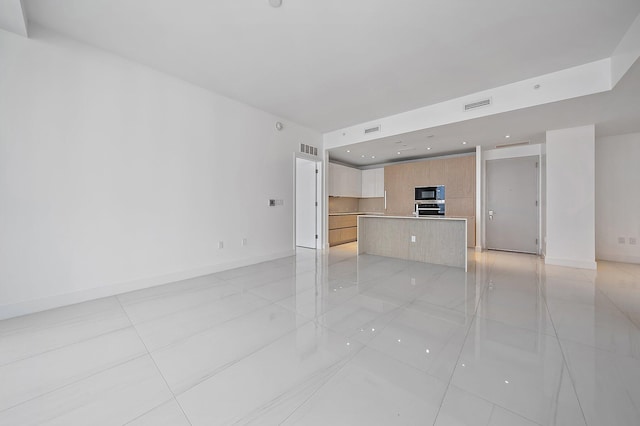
[244, 242]
[413, 238]
[621, 240]
[632, 241]
[220, 244]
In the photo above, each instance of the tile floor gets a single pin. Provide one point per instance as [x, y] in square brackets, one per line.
[336, 339]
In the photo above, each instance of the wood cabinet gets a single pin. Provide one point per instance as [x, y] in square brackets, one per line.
[343, 229]
[344, 181]
[457, 174]
[373, 183]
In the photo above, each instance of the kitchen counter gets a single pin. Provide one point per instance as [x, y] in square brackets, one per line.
[432, 239]
[356, 213]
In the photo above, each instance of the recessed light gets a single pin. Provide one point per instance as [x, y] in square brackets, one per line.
[348, 150]
[398, 152]
[363, 156]
[464, 142]
[507, 136]
[373, 156]
[428, 148]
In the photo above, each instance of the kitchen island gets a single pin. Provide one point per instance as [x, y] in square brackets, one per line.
[439, 240]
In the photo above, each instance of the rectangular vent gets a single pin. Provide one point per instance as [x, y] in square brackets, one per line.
[372, 129]
[507, 145]
[308, 149]
[478, 104]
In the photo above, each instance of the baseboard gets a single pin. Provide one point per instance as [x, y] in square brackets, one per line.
[571, 263]
[612, 257]
[478, 248]
[38, 305]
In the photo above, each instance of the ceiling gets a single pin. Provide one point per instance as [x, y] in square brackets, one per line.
[333, 63]
[613, 112]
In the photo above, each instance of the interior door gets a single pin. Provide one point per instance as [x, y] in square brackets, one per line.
[306, 209]
[512, 204]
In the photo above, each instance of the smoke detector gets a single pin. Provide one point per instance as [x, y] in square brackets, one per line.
[275, 3]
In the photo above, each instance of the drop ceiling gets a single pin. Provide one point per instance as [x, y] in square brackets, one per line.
[333, 63]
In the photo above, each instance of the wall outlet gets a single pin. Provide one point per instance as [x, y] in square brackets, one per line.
[621, 240]
[413, 238]
[220, 244]
[243, 242]
[632, 241]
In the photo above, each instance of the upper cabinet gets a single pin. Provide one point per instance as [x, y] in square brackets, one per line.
[373, 183]
[344, 181]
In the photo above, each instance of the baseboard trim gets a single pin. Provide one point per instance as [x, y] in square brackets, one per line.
[618, 258]
[571, 263]
[44, 304]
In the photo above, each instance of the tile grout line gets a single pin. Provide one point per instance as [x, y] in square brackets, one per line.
[464, 342]
[564, 361]
[77, 380]
[156, 365]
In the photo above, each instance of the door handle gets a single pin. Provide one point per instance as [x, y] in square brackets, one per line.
[491, 213]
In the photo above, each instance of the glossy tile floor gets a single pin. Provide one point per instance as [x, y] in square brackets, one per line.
[335, 339]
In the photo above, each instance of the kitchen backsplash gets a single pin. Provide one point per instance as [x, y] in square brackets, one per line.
[349, 204]
[343, 204]
[371, 205]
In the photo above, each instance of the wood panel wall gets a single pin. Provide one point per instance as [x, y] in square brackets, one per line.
[457, 174]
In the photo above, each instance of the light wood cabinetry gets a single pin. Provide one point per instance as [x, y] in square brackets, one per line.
[457, 174]
[344, 181]
[373, 183]
[343, 229]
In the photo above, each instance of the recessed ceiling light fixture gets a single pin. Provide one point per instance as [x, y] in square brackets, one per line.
[362, 155]
[507, 136]
[464, 142]
[428, 148]
[348, 150]
[398, 152]
[275, 3]
[373, 156]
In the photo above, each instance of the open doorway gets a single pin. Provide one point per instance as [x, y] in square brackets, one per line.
[307, 217]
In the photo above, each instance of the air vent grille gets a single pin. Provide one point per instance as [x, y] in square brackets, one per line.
[506, 145]
[372, 129]
[477, 104]
[308, 149]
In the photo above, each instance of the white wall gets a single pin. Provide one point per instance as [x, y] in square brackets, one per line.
[114, 176]
[618, 197]
[571, 197]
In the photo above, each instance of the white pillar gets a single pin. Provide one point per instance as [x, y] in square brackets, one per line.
[571, 197]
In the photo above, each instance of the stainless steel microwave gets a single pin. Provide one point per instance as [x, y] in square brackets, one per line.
[430, 193]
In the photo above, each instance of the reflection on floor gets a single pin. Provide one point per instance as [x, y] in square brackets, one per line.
[335, 339]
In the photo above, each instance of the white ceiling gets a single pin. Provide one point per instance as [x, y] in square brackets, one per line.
[612, 112]
[333, 63]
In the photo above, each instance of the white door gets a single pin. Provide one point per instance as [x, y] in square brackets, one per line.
[306, 208]
[512, 204]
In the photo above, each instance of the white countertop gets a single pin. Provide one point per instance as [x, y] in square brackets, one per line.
[418, 218]
[356, 213]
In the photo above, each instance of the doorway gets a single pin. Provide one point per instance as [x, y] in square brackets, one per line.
[307, 190]
[512, 204]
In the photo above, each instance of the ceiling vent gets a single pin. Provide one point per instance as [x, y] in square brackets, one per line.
[507, 145]
[477, 104]
[372, 129]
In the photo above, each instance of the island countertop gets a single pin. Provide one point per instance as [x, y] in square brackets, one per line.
[439, 240]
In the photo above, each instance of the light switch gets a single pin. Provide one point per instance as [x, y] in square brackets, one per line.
[413, 238]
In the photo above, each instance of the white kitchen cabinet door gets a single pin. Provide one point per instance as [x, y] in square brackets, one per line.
[373, 183]
[354, 182]
[344, 181]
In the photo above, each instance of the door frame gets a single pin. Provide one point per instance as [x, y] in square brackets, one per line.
[505, 153]
[318, 197]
